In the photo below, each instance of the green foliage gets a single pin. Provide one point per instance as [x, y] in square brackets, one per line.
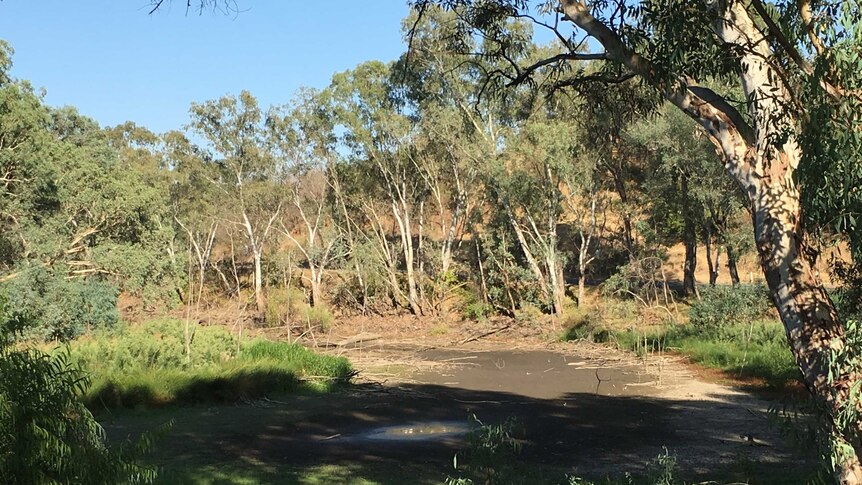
[303, 361]
[831, 170]
[288, 306]
[57, 308]
[847, 360]
[639, 278]
[284, 305]
[476, 310]
[47, 436]
[156, 344]
[491, 454]
[145, 365]
[723, 305]
[76, 199]
[848, 297]
[529, 315]
[583, 325]
[510, 283]
[756, 349]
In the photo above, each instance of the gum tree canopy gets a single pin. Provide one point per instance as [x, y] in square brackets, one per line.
[793, 143]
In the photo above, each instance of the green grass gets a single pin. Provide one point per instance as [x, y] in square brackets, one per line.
[757, 350]
[146, 366]
[252, 473]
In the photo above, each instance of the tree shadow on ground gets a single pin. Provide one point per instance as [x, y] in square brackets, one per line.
[320, 439]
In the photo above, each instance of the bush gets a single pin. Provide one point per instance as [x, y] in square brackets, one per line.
[283, 305]
[528, 315]
[639, 277]
[848, 297]
[491, 454]
[46, 434]
[286, 306]
[56, 308]
[156, 344]
[722, 305]
[146, 366]
[757, 349]
[476, 310]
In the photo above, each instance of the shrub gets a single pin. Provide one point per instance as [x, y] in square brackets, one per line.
[46, 434]
[146, 365]
[318, 317]
[848, 297]
[581, 325]
[477, 310]
[56, 308]
[287, 306]
[616, 309]
[639, 278]
[156, 344]
[528, 315]
[283, 305]
[721, 305]
[491, 454]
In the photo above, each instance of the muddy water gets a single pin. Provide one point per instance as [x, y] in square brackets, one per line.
[500, 376]
[535, 374]
[421, 431]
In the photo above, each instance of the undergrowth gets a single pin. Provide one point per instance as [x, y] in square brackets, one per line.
[146, 365]
[756, 350]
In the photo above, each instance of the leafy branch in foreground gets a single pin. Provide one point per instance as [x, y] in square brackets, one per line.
[47, 436]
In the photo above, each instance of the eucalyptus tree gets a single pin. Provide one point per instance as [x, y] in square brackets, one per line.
[303, 142]
[79, 217]
[195, 203]
[234, 127]
[379, 135]
[688, 191]
[797, 65]
[460, 131]
[529, 189]
[605, 115]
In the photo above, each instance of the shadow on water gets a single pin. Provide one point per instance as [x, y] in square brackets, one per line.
[412, 431]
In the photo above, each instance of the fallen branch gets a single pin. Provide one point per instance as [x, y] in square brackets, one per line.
[483, 335]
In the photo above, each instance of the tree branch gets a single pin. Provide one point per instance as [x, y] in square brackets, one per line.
[569, 56]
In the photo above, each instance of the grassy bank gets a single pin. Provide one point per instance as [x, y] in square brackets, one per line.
[757, 350]
[146, 365]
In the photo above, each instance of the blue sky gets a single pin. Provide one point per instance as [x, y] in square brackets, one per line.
[114, 62]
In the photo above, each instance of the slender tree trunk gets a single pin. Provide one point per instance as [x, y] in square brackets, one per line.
[583, 254]
[259, 297]
[713, 277]
[628, 236]
[690, 240]
[557, 290]
[710, 263]
[402, 217]
[731, 266]
[481, 272]
[316, 277]
[528, 254]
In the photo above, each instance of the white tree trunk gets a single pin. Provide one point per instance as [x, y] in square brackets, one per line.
[765, 172]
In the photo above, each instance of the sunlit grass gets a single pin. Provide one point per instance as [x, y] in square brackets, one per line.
[754, 350]
[146, 366]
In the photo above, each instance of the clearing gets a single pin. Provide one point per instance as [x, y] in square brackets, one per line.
[584, 410]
